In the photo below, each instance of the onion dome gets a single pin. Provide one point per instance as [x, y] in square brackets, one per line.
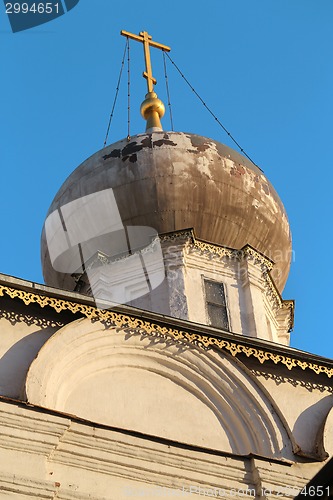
[165, 181]
[171, 181]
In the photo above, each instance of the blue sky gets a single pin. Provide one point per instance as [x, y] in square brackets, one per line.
[265, 68]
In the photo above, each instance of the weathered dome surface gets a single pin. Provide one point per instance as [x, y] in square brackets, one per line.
[172, 181]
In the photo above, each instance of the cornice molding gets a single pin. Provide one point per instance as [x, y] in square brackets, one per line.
[108, 453]
[188, 236]
[247, 253]
[144, 326]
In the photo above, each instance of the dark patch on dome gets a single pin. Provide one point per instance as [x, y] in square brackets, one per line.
[203, 147]
[131, 158]
[227, 201]
[114, 154]
[131, 148]
[147, 142]
[163, 142]
[198, 142]
[129, 151]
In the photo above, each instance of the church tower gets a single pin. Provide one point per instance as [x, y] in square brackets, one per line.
[218, 234]
[156, 361]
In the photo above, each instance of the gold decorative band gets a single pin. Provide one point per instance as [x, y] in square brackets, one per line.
[144, 326]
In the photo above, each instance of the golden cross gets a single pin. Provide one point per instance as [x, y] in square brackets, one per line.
[147, 41]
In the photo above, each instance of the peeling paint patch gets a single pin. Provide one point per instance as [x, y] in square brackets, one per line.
[200, 143]
[129, 151]
[203, 165]
[132, 147]
[203, 147]
[165, 142]
[235, 172]
[238, 170]
[114, 154]
[132, 158]
[147, 142]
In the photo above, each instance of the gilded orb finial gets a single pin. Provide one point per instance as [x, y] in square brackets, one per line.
[152, 108]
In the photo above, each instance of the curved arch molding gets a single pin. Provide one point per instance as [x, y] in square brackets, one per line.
[152, 385]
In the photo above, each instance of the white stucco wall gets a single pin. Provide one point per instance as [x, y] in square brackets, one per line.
[254, 307]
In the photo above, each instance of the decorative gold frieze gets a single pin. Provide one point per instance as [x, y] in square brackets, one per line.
[247, 253]
[119, 320]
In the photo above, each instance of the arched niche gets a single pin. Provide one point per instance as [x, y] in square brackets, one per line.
[155, 386]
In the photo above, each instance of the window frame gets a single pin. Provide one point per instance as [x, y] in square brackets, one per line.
[205, 280]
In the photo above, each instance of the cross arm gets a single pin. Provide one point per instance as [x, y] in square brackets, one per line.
[139, 38]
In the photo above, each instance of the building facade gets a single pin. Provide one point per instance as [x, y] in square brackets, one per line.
[156, 361]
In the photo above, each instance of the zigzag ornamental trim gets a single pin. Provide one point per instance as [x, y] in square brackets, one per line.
[146, 327]
[187, 234]
[57, 304]
[216, 251]
[257, 257]
[220, 252]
